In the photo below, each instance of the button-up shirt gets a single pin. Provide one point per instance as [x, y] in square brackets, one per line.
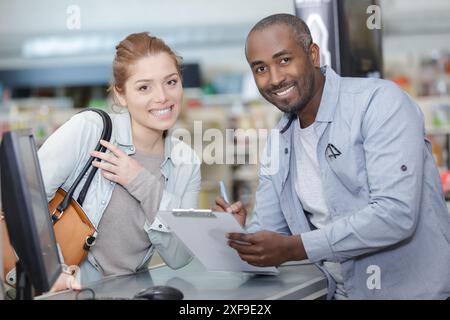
[390, 227]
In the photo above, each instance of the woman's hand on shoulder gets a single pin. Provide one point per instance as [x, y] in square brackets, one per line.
[117, 166]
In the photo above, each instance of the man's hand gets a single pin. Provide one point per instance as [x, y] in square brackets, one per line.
[237, 209]
[266, 248]
[117, 166]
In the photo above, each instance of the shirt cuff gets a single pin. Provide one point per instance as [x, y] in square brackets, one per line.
[317, 246]
[159, 225]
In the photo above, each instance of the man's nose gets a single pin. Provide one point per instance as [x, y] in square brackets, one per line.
[276, 77]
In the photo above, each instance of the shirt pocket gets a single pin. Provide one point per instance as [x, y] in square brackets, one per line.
[346, 164]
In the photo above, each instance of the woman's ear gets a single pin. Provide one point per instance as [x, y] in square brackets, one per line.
[119, 97]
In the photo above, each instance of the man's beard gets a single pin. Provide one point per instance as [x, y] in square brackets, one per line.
[307, 84]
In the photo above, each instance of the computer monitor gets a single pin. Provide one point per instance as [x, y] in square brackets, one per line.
[2, 289]
[26, 212]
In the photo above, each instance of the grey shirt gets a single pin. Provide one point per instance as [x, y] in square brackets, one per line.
[122, 242]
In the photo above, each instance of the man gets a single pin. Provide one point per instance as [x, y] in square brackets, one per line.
[357, 191]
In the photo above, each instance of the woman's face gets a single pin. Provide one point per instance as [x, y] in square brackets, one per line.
[153, 92]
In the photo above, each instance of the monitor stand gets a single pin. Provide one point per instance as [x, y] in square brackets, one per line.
[24, 289]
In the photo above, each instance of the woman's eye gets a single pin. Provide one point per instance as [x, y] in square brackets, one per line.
[172, 82]
[143, 88]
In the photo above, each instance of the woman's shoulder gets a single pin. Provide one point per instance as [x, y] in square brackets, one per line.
[83, 129]
[86, 118]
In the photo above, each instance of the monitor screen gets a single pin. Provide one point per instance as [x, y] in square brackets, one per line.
[26, 209]
[38, 202]
[2, 289]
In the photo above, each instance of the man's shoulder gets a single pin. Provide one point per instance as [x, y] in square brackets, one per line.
[366, 86]
[357, 95]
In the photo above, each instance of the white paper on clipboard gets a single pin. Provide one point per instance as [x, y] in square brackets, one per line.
[204, 233]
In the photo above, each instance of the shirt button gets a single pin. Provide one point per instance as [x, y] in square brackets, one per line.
[404, 168]
[286, 150]
[103, 202]
[111, 183]
[160, 226]
[132, 148]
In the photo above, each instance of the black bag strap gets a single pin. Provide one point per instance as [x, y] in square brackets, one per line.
[106, 135]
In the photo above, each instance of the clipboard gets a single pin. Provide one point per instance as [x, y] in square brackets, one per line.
[203, 233]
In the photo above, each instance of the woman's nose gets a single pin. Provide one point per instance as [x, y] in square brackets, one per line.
[160, 95]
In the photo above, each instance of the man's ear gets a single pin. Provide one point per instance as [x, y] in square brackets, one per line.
[118, 96]
[314, 55]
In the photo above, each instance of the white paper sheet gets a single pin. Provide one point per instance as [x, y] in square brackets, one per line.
[203, 232]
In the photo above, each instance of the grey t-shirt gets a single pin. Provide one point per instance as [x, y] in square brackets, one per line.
[122, 242]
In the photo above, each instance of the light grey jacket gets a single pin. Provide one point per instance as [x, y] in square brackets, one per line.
[389, 217]
[66, 151]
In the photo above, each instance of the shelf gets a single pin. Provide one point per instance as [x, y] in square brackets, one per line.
[438, 131]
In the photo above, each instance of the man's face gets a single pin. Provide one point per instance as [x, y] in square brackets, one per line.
[283, 72]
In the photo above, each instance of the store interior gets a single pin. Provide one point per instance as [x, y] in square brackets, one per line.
[50, 69]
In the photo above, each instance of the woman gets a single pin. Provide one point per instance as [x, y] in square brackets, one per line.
[138, 174]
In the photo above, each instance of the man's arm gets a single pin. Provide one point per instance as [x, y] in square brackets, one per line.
[267, 248]
[393, 134]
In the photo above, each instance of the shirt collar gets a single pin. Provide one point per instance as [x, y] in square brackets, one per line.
[124, 138]
[330, 95]
[168, 144]
[328, 100]
[122, 128]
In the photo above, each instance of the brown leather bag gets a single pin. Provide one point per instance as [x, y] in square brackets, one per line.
[9, 257]
[74, 232]
[72, 229]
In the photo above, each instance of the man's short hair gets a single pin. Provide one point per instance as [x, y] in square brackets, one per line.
[297, 25]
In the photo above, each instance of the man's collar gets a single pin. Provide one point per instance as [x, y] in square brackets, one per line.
[328, 100]
[330, 95]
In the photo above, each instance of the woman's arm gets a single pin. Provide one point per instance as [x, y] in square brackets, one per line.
[171, 249]
[64, 149]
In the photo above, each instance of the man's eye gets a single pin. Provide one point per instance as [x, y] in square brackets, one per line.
[285, 60]
[260, 69]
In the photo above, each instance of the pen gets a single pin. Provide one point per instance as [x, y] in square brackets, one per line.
[223, 191]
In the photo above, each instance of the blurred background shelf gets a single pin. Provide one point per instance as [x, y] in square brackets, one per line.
[49, 72]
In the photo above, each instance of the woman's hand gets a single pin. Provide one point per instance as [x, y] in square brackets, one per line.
[237, 209]
[67, 280]
[117, 166]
